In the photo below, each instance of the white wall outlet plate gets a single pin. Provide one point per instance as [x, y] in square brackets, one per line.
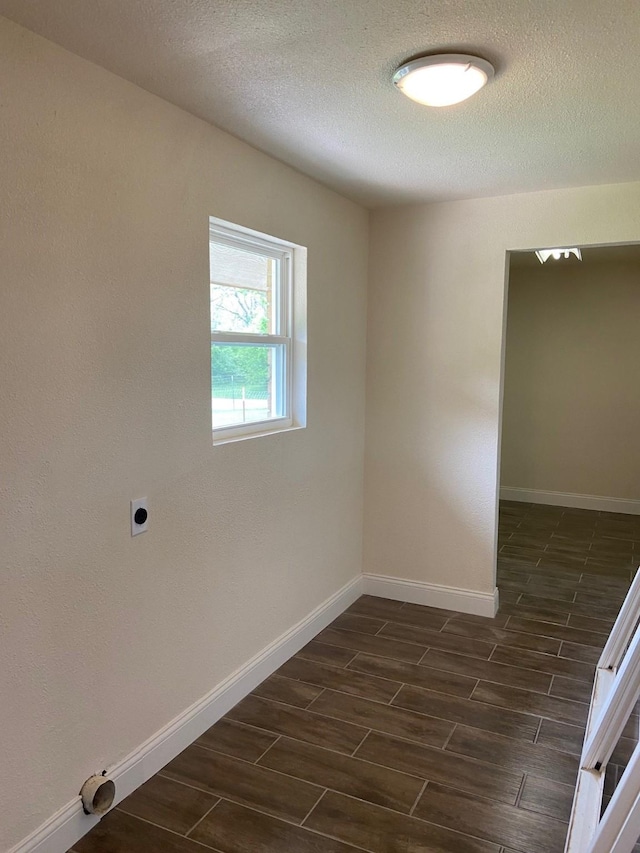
[139, 516]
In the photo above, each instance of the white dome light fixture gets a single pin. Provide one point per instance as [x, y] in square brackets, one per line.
[442, 80]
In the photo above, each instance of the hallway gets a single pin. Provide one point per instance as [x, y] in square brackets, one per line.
[405, 729]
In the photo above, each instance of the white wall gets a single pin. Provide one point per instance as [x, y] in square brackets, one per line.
[434, 365]
[571, 391]
[104, 346]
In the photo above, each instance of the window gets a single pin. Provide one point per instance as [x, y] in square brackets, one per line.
[256, 379]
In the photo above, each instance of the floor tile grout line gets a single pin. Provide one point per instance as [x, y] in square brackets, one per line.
[360, 745]
[356, 748]
[448, 740]
[441, 630]
[523, 782]
[418, 798]
[390, 702]
[537, 734]
[308, 814]
[315, 698]
[260, 757]
[198, 822]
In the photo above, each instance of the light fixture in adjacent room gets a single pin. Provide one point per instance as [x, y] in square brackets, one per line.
[543, 255]
[442, 80]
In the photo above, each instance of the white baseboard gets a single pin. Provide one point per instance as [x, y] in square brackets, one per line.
[597, 502]
[67, 826]
[433, 595]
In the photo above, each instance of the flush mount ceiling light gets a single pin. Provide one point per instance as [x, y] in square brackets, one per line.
[439, 81]
[543, 255]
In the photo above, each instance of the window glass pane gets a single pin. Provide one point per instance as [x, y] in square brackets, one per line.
[243, 290]
[247, 383]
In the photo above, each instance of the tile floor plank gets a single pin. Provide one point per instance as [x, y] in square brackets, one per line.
[574, 651]
[569, 688]
[321, 653]
[380, 830]
[455, 710]
[528, 702]
[544, 663]
[547, 798]
[236, 740]
[495, 822]
[244, 783]
[451, 683]
[589, 623]
[586, 637]
[434, 765]
[359, 624]
[231, 828]
[168, 804]
[505, 752]
[448, 641]
[118, 832]
[576, 607]
[561, 736]
[377, 608]
[421, 617]
[392, 720]
[287, 691]
[504, 636]
[297, 723]
[490, 670]
[367, 684]
[532, 611]
[374, 783]
[380, 645]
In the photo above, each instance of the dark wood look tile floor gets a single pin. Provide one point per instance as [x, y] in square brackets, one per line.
[405, 729]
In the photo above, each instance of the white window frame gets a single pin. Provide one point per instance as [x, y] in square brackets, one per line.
[290, 267]
[615, 693]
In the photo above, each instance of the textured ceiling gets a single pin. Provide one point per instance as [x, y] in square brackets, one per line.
[308, 81]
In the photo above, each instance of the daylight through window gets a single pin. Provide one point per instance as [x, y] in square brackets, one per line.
[251, 280]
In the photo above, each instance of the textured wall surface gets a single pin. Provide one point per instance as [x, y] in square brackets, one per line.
[572, 387]
[104, 353]
[436, 311]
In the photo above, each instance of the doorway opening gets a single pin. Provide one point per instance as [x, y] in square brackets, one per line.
[569, 470]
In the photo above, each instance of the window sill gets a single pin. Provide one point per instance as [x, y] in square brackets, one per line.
[276, 430]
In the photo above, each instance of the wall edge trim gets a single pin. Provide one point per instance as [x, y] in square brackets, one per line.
[68, 825]
[569, 499]
[432, 594]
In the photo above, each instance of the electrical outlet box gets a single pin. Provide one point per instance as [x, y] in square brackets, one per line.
[139, 516]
